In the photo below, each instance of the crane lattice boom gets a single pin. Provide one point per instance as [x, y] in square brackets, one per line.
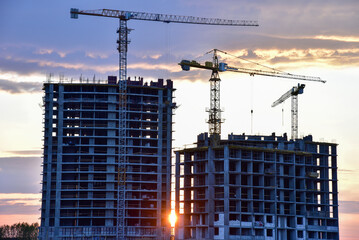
[216, 67]
[222, 67]
[128, 15]
[293, 92]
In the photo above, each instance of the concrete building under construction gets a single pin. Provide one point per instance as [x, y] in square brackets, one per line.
[257, 187]
[81, 181]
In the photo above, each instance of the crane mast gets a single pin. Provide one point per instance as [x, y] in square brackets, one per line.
[293, 92]
[122, 48]
[215, 119]
[215, 66]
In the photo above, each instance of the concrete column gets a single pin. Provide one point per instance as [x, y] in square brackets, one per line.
[60, 120]
[111, 170]
[48, 133]
[159, 164]
[226, 192]
[211, 181]
[169, 154]
[177, 195]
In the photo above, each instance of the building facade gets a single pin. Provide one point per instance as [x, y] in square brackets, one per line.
[80, 196]
[257, 187]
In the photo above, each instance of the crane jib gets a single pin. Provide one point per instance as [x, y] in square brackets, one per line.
[222, 67]
[127, 15]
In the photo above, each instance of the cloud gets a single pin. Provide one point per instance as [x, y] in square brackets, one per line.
[292, 33]
[26, 152]
[338, 38]
[73, 66]
[20, 174]
[96, 55]
[149, 66]
[20, 87]
[43, 51]
[347, 171]
[19, 203]
[314, 56]
[349, 207]
[351, 39]
[27, 60]
[21, 67]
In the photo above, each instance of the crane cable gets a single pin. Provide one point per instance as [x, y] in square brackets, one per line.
[168, 49]
[282, 114]
[258, 64]
[252, 93]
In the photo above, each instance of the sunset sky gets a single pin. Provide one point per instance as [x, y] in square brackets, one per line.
[315, 38]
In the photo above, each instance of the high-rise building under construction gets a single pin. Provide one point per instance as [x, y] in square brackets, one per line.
[81, 175]
[257, 187]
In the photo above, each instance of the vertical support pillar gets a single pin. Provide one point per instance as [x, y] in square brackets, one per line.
[294, 117]
[159, 164]
[49, 97]
[110, 159]
[60, 120]
[211, 181]
[177, 187]
[122, 160]
[122, 48]
[226, 192]
[169, 154]
[214, 111]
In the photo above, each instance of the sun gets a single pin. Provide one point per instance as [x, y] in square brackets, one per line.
[172, 218]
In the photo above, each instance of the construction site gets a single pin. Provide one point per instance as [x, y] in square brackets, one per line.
[108, 158]
[257, 187]
[83, 188]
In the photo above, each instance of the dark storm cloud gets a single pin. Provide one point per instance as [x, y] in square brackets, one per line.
[20, 87]
[20, 174]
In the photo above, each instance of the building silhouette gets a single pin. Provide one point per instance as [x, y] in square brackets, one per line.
[257, 187]
[81, 160]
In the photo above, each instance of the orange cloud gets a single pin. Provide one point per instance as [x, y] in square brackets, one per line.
[338, 38]
[96, 55]
[318, 37]
[44, 51]
[25, 199]
[19, 207]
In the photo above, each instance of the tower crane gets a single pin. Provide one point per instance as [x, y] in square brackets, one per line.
[125, 16]
[293, 92]
[215, 66]
[122, 48]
